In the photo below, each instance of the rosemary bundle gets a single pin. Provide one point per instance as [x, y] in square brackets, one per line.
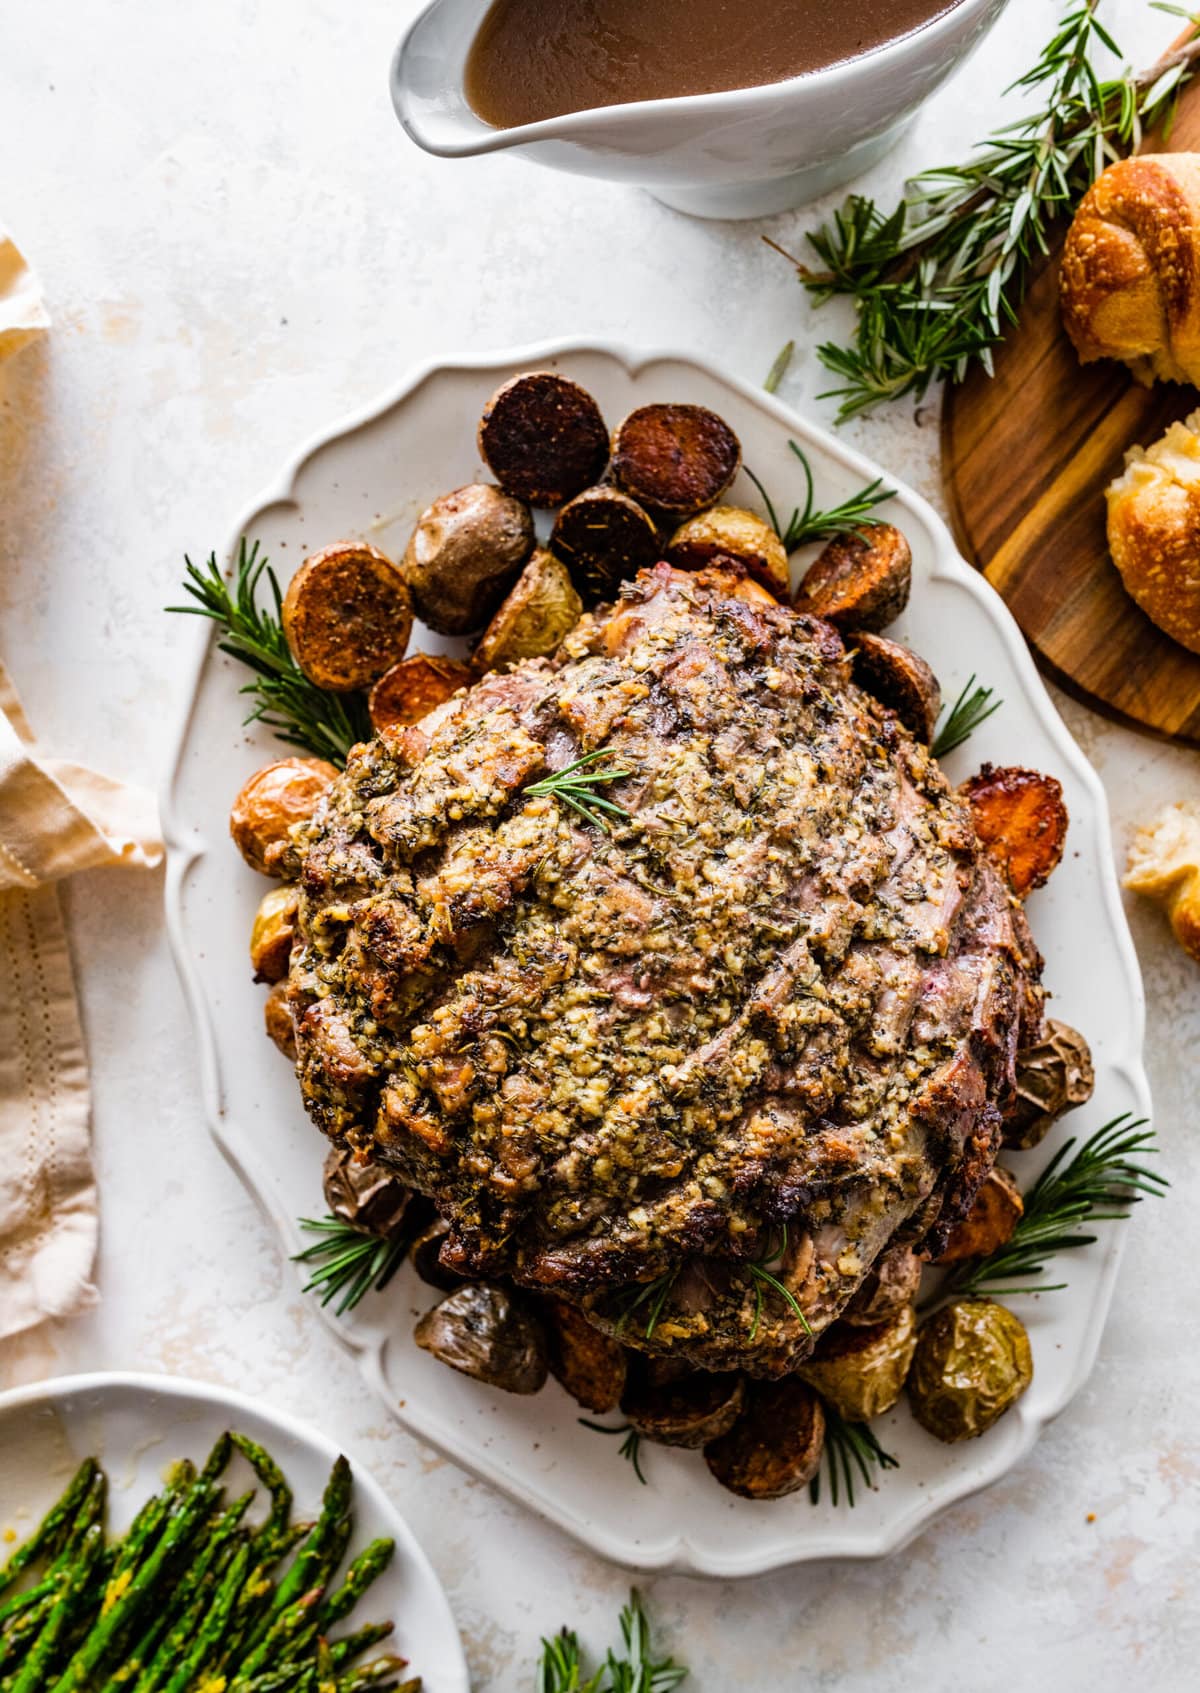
[850, 1449]
[344, 1261]
[937, 280]
[636, 1670]
[808, 522]
[972, 707]
[575, 786]
[301, 714]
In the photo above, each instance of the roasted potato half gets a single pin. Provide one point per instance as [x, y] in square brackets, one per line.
[690, 1411]
[413, 688]
[973, 1362]
[1021, 820]
[464, 555]
[590, 1365]
[861, 1371]
[675, 459]
[267, 807]
[487, 1333]
[278, 1020]
[542, 608]
[366, 1195]
[775, 1446]
[347, 615]
[273, 933]
[1053, 1076]
[543, 438]
[604, 538]
[732, 532]
[995, 1212]
[425, 1256]
[861, 580]
[899, 679]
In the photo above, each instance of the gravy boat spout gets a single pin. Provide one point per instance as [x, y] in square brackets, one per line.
[747, 152]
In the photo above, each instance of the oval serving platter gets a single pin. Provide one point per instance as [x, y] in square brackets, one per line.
[369, 477]
[137, 1425]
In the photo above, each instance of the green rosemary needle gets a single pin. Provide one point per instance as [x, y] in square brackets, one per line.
[347, 1262]
[1097, 1183]
[575, 784]
[561, 1669]
[849, 1448]
[972, 707]
[778, 370]
[808, 523]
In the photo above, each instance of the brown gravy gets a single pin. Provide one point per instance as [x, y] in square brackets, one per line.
[534, 59]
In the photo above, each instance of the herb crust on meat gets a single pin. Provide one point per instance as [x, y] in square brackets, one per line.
[724, 1052]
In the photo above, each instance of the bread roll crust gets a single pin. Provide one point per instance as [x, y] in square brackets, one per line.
[1131, 268]
[1154, 530]
[1164, 864]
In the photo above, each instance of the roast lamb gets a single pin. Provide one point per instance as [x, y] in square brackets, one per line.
[694, 1063]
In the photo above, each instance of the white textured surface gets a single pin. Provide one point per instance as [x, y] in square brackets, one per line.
[237, 245]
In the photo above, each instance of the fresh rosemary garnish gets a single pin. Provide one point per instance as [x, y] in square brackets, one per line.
[778, 370]
[1099, 1183]
[937, 281]
[761, 1274]
[561, 1667]
[810, 524]
[848, 1447]
[656, 1293]
[630, 1448]
[574, 785]
[972, 707]
[347, 1261]
[300, 713]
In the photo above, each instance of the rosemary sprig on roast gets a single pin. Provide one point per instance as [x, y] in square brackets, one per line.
[348, 1262]
[575, 786]
[808, 523]
[301, 714]
[561, 1669]
[972, 707]
[849, 1448]
[1098, 1183]
[938, 280]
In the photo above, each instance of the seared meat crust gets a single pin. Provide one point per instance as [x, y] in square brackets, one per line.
[772, 1017]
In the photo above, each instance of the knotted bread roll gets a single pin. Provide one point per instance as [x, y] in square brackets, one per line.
[1164, 864]
[1154, 530]
[1131, 268]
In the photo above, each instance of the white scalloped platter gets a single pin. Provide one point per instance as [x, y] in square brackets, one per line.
[137, 1425]
[369, 477]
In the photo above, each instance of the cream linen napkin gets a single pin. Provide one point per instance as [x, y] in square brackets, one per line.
[22, 314]
[54, 818]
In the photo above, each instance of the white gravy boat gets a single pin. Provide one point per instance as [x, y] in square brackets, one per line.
[745, 153]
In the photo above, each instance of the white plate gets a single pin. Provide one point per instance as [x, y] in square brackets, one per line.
[370, 476]
[138, 1424]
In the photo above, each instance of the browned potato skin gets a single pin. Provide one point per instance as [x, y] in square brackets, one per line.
[732, 532]
[413, 688]
[464, 555]
[861, 580]
[540, 611]
[861, 1371]
[484, 1332]
[273, 933]
[1053, 1076]
[899, 679]
[269, 803]
[689, 1412]
[989, 1224]
[590, 1365]
[604, 538]
[543, 438]
[675, 459]
[1021, 819]
[424, 1255]
[277, 1017]
[893, 1283]
[775, 1446]
[347, 615]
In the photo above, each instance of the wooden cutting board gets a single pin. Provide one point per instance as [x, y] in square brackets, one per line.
[1026, 457]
